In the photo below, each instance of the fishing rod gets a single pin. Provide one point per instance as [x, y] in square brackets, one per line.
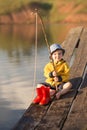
[44, 32]
[45, 37]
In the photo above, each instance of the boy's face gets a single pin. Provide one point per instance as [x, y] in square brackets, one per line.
[57, 55]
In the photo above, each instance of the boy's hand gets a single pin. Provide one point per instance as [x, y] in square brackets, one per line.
[56, 79]
[54, 73]
[55, 76]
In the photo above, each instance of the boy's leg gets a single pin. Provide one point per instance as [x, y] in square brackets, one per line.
[66, 87]
[52, 92]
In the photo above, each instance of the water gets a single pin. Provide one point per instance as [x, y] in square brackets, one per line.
[17, 59]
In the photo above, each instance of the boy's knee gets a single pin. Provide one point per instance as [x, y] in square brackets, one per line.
[39, 85]
[52, 92]
[67, 85]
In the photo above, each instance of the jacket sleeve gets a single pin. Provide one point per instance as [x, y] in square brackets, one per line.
[65, 75]
[47, 70]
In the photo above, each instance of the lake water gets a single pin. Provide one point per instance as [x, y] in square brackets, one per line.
[17, 66]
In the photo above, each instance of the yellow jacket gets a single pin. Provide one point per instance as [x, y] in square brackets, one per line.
[62, 70]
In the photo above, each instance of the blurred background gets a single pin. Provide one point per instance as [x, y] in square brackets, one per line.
[17, 48]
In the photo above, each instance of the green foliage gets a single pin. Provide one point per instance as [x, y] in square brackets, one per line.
[38, 5]
[46, 7]
[7, 6]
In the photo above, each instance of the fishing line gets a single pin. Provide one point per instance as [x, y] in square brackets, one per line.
[48, 46]
[35, 53]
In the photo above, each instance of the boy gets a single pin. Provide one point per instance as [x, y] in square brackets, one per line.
[57, 77]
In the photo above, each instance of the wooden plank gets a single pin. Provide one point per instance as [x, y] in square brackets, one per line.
[71, 42]
[81, 56]
[55, 115]
[78, 125]
[80, 59]
[77, 119]
[34, 114]
[31, 117]
[58, 111]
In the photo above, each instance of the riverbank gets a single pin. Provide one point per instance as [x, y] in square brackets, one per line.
[60, 11]
[26, 17]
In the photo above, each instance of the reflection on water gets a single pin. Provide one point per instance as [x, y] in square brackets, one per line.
[17, 67]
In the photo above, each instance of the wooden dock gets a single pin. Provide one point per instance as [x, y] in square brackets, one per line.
[69, 112]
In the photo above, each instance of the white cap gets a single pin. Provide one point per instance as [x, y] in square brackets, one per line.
[55, 47]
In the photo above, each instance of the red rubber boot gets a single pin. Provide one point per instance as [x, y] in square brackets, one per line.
[39, 95]
[46, 95]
